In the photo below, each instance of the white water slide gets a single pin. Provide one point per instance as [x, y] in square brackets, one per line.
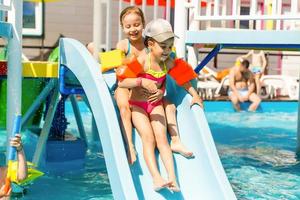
[202, 177]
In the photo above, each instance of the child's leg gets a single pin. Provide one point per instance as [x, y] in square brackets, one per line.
[235, 102]
[257, 83]
[176, 144]
[122, 96]
[255, 101]
[142, 124]
[158, 123]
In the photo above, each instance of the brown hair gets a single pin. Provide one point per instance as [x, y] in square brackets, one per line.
[245, 63]
[132, 9]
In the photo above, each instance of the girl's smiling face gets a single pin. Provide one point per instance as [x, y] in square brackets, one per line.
[132, 26]
[162, 50]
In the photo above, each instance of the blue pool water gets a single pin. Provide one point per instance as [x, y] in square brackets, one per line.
[257, 151]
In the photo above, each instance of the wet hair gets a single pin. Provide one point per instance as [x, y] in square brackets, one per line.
[132, 9]
[245, 63]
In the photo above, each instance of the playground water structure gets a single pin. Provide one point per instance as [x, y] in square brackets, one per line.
[204, 172]
[263, 155]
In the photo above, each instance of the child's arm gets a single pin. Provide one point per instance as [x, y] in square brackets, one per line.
[248, 54]
[191, 90]
[264, 61]
[138, 82]
[22, 165]
[3, 193]
[128, 75]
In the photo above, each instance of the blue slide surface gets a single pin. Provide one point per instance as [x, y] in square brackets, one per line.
[202, 177]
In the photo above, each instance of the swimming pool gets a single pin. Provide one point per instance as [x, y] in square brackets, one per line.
[256, 149]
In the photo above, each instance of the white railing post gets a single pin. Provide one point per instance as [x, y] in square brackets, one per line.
[294, 6]
[155, 9]
[216, 8]
[278, 12]
[194, 25]
[224, 11]
[208, 12]
[234, 10]
[120, 28]
[168, 10]
[108, 25]
[180, 26]
[253, 10]
[14, 71]
[144, 4]
[97, 25]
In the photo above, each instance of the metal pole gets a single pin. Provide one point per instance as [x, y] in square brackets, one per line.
[46, 128]
[180, 27]
[78, 119]
[14, 71]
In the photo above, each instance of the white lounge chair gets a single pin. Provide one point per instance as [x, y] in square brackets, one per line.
[208, 84]
[285, 84]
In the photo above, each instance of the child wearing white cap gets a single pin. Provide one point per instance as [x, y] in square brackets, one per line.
[149, 117]
[132, 21]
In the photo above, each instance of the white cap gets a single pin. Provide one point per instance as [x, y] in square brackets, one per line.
[159, 29]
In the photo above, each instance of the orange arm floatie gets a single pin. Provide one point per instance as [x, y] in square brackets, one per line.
[129, 70]
[182, 72]
[7, 185]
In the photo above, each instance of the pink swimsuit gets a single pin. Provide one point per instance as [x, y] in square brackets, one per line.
[160, 78]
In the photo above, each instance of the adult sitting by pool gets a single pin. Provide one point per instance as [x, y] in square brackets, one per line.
[242, 85]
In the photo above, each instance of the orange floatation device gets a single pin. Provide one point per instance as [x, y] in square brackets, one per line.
[182, 72]
[131, 68]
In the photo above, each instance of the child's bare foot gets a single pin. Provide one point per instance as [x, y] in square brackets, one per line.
[131, 155]
[174, 187]
[160, 183]
[178, 147]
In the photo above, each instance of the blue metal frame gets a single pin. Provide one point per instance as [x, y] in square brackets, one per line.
[218, 48]
[211, 54]
[63, 86]
[6, 30]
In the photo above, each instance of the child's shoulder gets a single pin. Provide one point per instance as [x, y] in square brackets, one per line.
[170, 63]
[122, 45]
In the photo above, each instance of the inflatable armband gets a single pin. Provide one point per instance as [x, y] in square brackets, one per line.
[111, 59]
[129, 69]
[182, 72]
[31, 176]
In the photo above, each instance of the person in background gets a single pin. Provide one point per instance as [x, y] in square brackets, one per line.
[242, 85]
[149, 77]
[257, 66]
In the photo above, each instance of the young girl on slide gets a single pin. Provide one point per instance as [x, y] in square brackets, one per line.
[149, 72]
[22, 167]
[133, 22]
